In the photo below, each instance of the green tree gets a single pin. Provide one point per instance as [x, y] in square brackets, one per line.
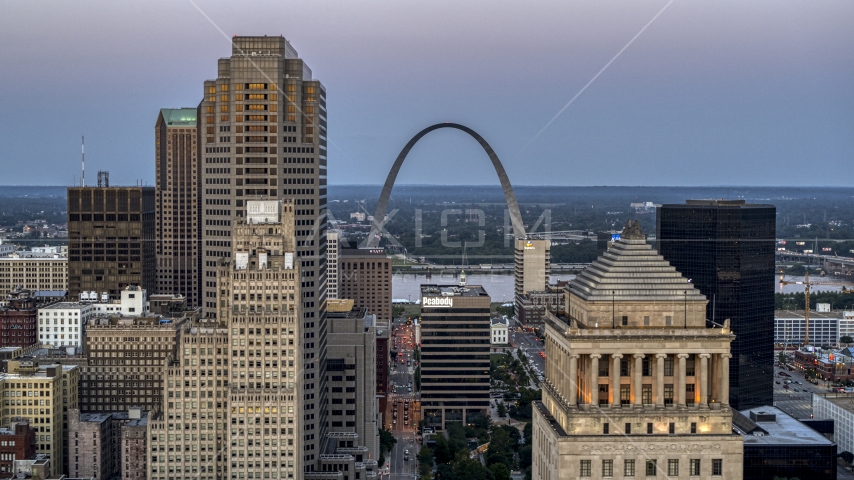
[782, 358]
[500, 449]
[417, 376]
[502, 410]
[528, 473]
[847, 456]
[444, 471]
[425, 461]
[500, 471]
[387, 442]
[467, 468]
[846, 339]
[442, 451]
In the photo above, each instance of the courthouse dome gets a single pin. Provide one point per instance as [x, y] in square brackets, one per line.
[632, 270]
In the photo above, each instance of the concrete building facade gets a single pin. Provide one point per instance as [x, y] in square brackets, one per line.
[455, 348]
[111, 239]
[125, 362]
[33, 273]
[63, 324]
[635, 383]
[269, 378]
[177, 203]
[196, 396]
[351, 366]
[44, 394]
[262, 131]
[365, 278]
[332, 248]
[532, 265]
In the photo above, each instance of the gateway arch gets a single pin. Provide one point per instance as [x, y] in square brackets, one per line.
[509, 196]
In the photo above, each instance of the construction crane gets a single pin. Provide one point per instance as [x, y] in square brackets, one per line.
[807, 284]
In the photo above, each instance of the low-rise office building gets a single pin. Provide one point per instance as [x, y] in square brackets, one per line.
[63, 324]
[790, 327]
[47, 273]
[17, 442]
[500, 328]
[18, 319]
[41, 395]
[838, 407]
[779, 446]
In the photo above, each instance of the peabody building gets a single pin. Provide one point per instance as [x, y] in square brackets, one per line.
[636, 383]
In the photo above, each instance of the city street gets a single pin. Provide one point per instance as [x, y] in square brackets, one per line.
[796, 403]
[529, 346]
[404, 410]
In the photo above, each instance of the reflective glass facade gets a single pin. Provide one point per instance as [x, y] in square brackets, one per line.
[726, 248]
[790, 461]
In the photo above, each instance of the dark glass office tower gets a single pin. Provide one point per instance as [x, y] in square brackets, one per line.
[111, 236]
[455, 330]
[726, 248]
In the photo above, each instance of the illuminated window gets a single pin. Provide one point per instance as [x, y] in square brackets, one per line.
[209, 109]
[673, 467]
[694, 467]
[272, 86]
[223, 118]
[223, 108]
[309, 90]
[223, 98]
[211, 89]
[209, 120]
[292, 118]
[292, 109]
[273, 107]
[584, 471]
[223, 88]
[292, 88]
[238, 86]
[629, 468]
[274, 97]
[309, 109]
[257, 86]
[256, 107]
[256, 96]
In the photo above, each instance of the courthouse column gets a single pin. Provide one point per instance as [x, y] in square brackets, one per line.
[594, 378]
[615, 380]
[725, 378]
[683, 357]
[704, 380]
[638, 378]
[573, 380]
[659, 380]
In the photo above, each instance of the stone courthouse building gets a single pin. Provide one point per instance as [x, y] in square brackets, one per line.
[636, 382]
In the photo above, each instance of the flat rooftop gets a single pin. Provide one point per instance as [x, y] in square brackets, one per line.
[362, 252]
[813, 314]
[783, 430]
[64, 305]
[453, 291]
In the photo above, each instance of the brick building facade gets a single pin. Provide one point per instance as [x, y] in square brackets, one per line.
[18, 319]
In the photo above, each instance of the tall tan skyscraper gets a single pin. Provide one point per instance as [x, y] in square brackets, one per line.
[636, 384]
[365, 277]
[260, 306]
[531, 272]
[176, 201]
[263, 135]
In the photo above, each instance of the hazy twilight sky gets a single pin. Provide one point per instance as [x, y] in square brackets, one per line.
[713, 92]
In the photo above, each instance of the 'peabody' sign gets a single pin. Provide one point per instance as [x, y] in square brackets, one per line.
[437, 301]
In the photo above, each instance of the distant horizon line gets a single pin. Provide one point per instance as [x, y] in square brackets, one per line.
[378, 185]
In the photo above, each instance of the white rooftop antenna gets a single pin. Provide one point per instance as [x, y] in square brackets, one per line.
[83, 160]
